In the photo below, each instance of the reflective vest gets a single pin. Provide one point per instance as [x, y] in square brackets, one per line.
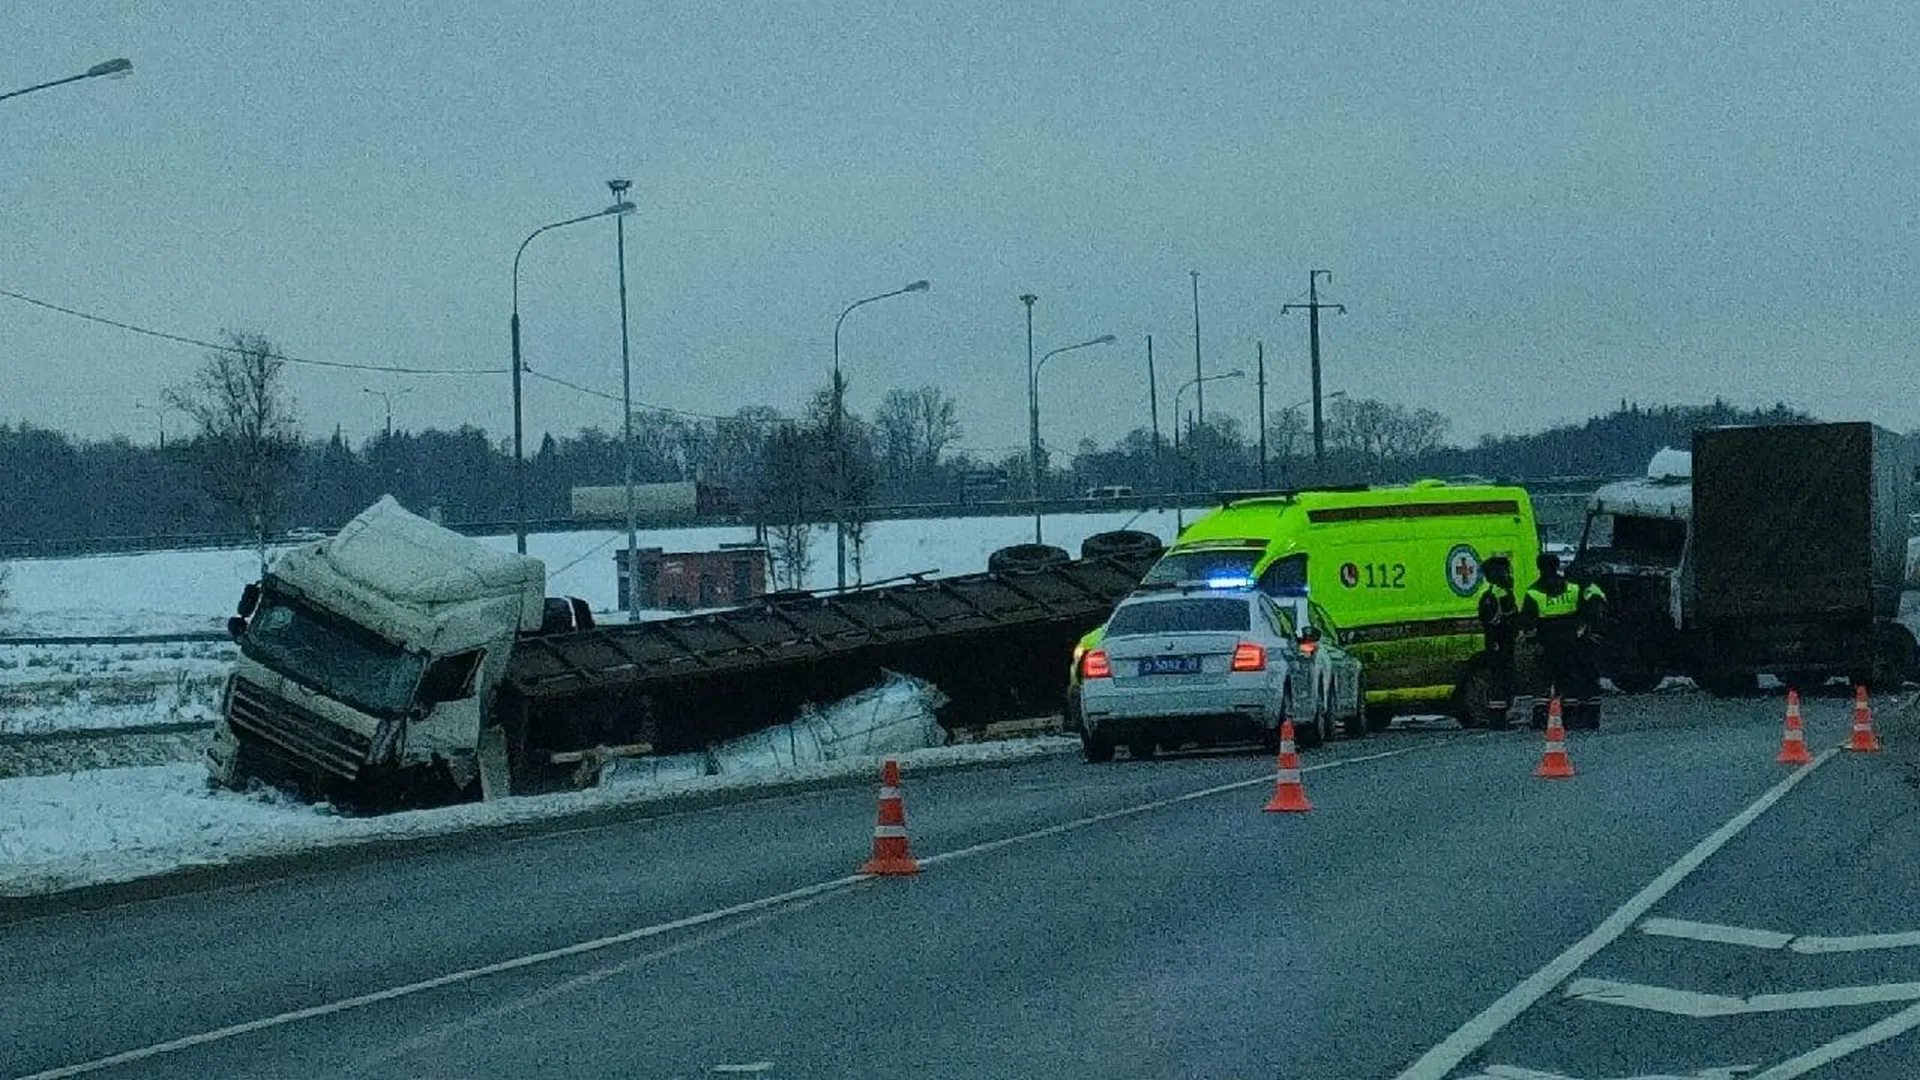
[1556, 607]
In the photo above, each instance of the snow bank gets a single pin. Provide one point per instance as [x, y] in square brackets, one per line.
[92, 828]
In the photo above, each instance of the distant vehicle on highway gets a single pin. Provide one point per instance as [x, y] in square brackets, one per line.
[1193, 663]
[1111, 491]
[304, 534]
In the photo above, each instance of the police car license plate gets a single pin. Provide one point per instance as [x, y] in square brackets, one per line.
[1170, 665]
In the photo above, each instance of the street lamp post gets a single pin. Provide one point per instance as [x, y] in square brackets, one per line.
[159, 418]
[111, 69]
[519, 458]
[1194, 383]
[1033, 414]
[619, 189]
[1329, 399]
[836, 421]
[386, 398]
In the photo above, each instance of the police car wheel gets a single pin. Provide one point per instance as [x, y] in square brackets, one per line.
[1308, 735]
[1356, 724]
[1097, 749]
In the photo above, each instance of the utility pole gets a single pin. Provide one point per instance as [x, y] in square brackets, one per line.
[1313, 306]
[1153, 412]
[619, 189]
[1199, 388]
[1260, 366]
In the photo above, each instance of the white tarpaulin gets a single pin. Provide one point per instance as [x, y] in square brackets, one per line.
[896, 716]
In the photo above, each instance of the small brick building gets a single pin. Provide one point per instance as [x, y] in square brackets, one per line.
[682, 580]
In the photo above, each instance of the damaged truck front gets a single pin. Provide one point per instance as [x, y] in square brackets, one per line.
[368, 661]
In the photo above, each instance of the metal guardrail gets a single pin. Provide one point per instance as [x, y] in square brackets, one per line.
[117, 639]
[96, 734]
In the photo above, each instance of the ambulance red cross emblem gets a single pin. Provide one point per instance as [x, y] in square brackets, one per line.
[1463, 570]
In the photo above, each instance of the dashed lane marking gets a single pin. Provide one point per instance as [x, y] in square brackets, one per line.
[1676, 1002]
[1805, 944]
[777, 900]
[1441, 1060]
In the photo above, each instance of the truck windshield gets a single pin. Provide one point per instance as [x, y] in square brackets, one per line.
[1221, 567]
[332, 657]
[1180, 616]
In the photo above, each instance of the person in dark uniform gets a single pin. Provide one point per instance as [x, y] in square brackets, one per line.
[1590, 615]
[1499, 627]
[1551, 613]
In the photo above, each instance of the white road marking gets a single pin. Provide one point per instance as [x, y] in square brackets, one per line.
[1436, 1063]
[1857, 943]
[1514, 1072]
[1898, 1024]
[751, 1067]
[1714, 932]
[1806, 944]
[1667, 999]
[311, 1012]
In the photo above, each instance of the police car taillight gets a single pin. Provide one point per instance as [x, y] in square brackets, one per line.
[1094, 665]
[1248, 656]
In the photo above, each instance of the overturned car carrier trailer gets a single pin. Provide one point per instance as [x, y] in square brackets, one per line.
[399, 662]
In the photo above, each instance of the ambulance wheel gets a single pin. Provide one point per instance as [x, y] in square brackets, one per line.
[1379, 718]
[1470, 699]
[1097, 749]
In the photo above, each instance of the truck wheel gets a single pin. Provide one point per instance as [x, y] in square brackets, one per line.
[1097, 749]
[1027, 557]
[1142, 750]
[1894, 663]
[1121, 542]
[1471, 696]
[1635, 680]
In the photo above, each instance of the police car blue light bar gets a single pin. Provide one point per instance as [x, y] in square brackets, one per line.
[1229, 582]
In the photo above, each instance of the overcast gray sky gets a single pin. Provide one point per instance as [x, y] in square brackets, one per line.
[1531, 210]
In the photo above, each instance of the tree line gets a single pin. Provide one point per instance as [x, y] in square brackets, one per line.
[249, 467]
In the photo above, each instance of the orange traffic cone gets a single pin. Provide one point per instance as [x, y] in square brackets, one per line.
[1554, 763]
[1863, 736]
[1289, 796]
[890, 833]
[1793, 742]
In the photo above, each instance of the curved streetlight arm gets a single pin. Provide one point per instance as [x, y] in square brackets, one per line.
[1191, 383]
[1103, 339]
[108, 68]
[917, 286]
[616, 208]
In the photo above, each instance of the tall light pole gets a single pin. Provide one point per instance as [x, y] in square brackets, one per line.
[519, 457]
[1335, 396]
[1195, 383]
[386, 397]
[111, 69]
[1033, 417]
[836, 420]
[1200, 389]
[1153, 416]
[159, 418]
[1033, 412]
[619, 189]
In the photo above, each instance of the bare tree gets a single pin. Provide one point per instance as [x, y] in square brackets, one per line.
[914, 428]
[248, 432]
[1382, 431]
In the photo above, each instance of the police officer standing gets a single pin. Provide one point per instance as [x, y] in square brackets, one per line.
[1551, 612]
[1592, 610]
[1499, 627]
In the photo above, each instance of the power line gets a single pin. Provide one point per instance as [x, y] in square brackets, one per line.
[197, 342]
[641, 406]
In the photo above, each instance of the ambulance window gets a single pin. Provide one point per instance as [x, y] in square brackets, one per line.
[1224, 568]
[1286, 577]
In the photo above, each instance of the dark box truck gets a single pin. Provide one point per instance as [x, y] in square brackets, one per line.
[1799, 546]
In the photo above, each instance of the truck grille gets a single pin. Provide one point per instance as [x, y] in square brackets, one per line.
[296, 732]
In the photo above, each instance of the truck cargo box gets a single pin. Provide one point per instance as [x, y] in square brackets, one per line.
[1804, 521]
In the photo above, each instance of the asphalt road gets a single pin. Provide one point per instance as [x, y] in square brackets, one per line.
[1441, 913]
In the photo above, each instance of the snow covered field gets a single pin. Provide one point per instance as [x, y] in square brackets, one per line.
[194, 591]
[109, 825]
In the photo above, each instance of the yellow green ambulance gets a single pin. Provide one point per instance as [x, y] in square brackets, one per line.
[1394, 570]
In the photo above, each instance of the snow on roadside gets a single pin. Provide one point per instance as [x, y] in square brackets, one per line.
[112, 825]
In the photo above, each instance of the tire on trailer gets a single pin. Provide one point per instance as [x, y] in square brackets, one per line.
[1121, 542]
[1027, 557]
